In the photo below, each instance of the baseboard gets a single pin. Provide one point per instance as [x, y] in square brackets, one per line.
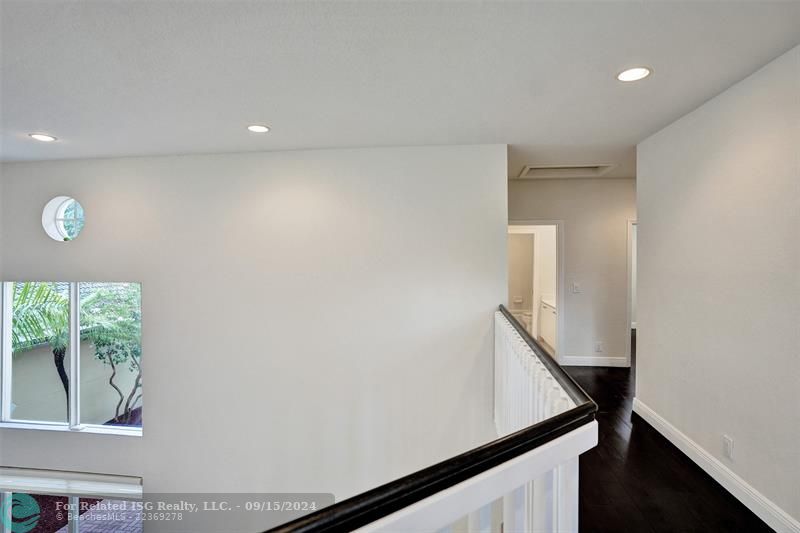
[576, 360]
[762, 506]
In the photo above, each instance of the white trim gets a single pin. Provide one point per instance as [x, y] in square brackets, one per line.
[5, 496]
[69, 483]
[561, 266]
[448, 505]
[69, 475]
[125, 431]
[74, 357]
[578, 360]
[5, 350]
[73, 518]
[763, 507]
[629, 272]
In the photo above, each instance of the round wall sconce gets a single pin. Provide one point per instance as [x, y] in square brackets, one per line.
[63, 218]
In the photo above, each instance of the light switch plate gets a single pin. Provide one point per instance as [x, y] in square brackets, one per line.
[727, 446]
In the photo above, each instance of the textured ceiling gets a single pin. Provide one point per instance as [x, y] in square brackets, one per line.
[141, 78]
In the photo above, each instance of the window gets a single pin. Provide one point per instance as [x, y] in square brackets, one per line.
[111, 369]
[63, 218]
[40, 363]
[71, 356]
[69, 219]
[53, 513]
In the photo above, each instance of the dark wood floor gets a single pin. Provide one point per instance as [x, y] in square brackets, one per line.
[635, 480]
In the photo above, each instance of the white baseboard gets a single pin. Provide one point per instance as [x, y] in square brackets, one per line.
[762, 506]
[576, 360]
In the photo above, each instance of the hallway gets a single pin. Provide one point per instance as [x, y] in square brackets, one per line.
[636, 481]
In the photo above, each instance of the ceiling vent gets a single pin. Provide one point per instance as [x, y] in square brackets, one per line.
[550, 172]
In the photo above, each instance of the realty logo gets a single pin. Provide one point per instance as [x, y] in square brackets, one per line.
[19, 513]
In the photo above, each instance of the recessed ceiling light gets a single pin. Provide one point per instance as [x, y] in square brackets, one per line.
[42, 137]
[634, 74]
[258, 128]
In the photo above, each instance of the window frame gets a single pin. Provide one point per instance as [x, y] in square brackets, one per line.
[61, 218]
[74, 423]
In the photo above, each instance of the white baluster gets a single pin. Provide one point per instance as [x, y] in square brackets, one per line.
[526, 419]
[541, 373]
[563, 402]
[505, 357]
[527, 393]
[480, 521]
[555, 398]
[547, 387]
[514, 511]
[533, 391]
[567, 497]
[529, 505]
[497, 514]
[515, 390]
[543, 503]
[498, 391]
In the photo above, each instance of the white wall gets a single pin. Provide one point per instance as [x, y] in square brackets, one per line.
[546, 262]
[520, 271]
[719, 278]
[312, 321]
[595, 214]
[546, 276]
[634, 281]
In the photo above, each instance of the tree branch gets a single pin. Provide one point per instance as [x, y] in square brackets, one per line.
[111, 382]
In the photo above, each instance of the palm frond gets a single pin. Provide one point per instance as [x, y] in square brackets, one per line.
[40, 314]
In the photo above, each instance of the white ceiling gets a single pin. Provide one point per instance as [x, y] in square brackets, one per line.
[137, 78]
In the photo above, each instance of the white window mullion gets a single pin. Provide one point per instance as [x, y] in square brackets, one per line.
[5, 508]
[74, 514]
[6, 298]
[74, 356]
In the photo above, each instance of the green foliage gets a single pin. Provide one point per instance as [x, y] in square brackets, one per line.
[111, 316]
[40, 314]
[111, 320]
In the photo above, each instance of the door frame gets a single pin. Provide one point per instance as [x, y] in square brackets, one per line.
[629, 272]
[560, 268]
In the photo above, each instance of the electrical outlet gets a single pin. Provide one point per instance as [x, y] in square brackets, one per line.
[598, 347]
[727, 446]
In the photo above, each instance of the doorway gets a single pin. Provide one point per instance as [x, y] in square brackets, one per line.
[534, 280]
